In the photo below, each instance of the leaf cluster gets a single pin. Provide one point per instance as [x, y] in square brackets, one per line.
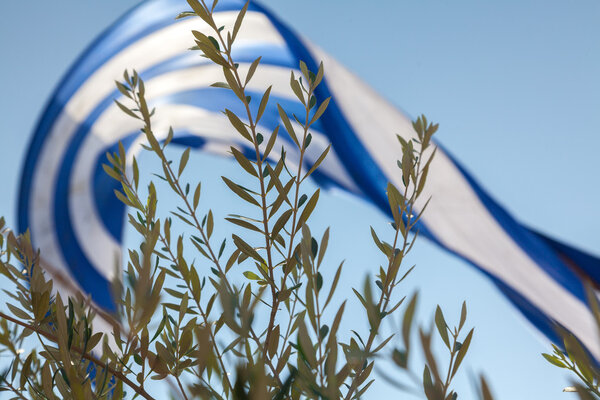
[575, 358]
[248, 316]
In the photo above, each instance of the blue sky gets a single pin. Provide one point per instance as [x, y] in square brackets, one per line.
[514, 86]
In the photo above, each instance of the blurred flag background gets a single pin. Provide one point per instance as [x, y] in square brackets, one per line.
[515, 105]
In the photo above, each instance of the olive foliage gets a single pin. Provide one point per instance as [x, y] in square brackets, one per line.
[188, 301]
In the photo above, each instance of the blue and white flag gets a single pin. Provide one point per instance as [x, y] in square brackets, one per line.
[67, 201]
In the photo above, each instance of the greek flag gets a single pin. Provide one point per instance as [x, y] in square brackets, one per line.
[67, 201]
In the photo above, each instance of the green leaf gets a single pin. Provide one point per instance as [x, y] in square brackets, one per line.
[302, 200]
[238, 125]
[125, 91]
[233, 83]
[222, 85]
[211, 53]
[396, 203]
[209, 224]
[486, 393]
[281, 197]
[246, 248]
[183, 161]
[183, 307]
[400, 358]
[554, 360]
[319, 75]
[323, 248]
[382, 344]
[127, 110]
[288, 125]
[318, 162]
[307, 141]
[320, 110]
[185, 14]
[296, 88]
[407, 320]
[463, 315]
[18, 312]
[281, 221]
[215, 43]
[201, 37]
[25, 370]
[196, 196]
[442, 327]
[319, 281]
[252, 70]
[304, 69]
[243, 224]
[238, 21]
[463, 351]
[263, 103]
[285, 294]
[323, 331]
[306, 346]
[201, 12]
[361, 298]
[243, 161]
[308, 209]
[274, 343]
[271, 143]
[334, 284]
[237, 189]
[427, 381]
[274, 181]
[252, 276]
[112, 172]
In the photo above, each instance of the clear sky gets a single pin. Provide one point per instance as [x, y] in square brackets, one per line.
[516, 90]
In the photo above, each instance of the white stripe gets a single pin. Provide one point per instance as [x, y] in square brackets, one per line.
[113, 125]
[212, 126]
[455, 214]
[148, 51]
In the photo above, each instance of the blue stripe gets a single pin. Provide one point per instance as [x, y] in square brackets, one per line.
[136, 24]
[537, 250]
[212, 99]
[372, 181]
[585, 263]
[354, 156]
[88, 277]
[155, 15]
[86, 274]
[106, 203]
[205, 98]
[216, 100]
[110, 208]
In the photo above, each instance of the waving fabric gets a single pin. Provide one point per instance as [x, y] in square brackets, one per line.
[67, 201]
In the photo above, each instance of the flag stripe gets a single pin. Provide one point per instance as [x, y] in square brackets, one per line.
[463, 219]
